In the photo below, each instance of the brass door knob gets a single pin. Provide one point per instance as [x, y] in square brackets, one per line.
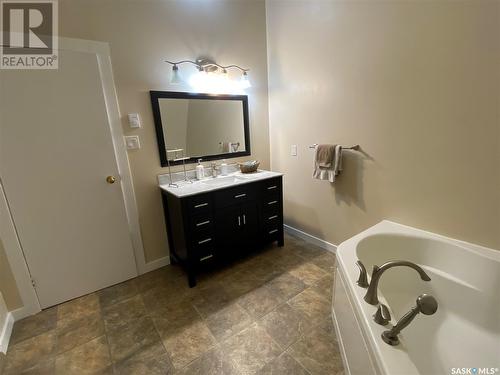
[110, 179]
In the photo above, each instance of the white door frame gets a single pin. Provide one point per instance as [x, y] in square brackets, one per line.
[8, 233]
[16, 260]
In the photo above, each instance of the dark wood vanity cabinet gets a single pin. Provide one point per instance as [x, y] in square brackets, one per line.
[223, 224]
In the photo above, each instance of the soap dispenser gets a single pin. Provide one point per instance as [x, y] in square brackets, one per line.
[223, 168]
[200, 170]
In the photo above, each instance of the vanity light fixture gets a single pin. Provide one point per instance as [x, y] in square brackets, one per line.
[176, 77]
[210, 76]
[245, 82]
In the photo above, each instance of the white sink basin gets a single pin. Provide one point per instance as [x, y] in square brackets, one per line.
[251, 176]
[219, 181]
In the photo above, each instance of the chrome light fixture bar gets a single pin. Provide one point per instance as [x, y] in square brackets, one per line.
[207, 66]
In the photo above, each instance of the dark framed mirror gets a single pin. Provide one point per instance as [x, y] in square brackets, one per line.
[206, 126]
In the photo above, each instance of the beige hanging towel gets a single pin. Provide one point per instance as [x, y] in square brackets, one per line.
[327, 162]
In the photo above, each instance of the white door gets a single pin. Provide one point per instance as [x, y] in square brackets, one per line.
[56, 152]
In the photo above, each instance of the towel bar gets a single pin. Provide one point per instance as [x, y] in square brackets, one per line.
[355, 147]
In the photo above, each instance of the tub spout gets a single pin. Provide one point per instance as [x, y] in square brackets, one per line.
[426, 305]
[371, 295]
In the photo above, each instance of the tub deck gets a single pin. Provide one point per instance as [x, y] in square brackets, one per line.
[463, 333]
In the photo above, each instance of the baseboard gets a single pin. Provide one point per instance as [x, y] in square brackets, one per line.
[24, 312]
[311, 239]
[6, 332]
[155, 264]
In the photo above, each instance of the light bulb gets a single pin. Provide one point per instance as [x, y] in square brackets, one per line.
[215, 83]
[199, 80]
[245, 82]
[175, 78]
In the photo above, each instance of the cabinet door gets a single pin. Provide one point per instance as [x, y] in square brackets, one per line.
[237, 227]
[250, 223]
[228, 226]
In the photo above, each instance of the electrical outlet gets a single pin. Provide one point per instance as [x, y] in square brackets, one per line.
[132, 142]
[293, 150]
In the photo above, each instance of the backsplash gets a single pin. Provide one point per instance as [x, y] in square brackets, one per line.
[164, 179]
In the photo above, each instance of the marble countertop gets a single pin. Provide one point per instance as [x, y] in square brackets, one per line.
[185, 189]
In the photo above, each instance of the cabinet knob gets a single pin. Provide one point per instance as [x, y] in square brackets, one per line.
[111, 179]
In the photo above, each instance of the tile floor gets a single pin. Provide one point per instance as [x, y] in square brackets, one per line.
[266, 314]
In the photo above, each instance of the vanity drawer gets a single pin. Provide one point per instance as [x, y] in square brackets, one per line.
[236, 195]
[202, 234]
[272, 186]
[272, 217]
[274, 195]
[204, 249]
[272, 230]
[201, 203]
[271, 204]
[201, 222]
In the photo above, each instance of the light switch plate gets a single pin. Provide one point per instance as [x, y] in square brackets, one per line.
[132, 142]
[134, 120]
[293, 150]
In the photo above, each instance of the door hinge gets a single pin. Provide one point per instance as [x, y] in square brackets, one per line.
[33, 282]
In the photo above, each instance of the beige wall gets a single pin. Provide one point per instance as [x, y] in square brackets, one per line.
[417, 85]
[8, 287]
[144, 33]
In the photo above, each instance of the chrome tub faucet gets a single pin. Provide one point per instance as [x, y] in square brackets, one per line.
[362, 279]
[371, 295]
[426, 304]
[382, 316]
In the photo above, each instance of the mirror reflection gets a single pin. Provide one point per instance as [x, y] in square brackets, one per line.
[204, 126]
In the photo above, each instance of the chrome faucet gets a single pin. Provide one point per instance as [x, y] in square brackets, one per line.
[214, 167]
[426, 305]
[362, 280]
[371, 295]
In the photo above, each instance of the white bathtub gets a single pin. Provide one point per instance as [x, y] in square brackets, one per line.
[463, 335]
